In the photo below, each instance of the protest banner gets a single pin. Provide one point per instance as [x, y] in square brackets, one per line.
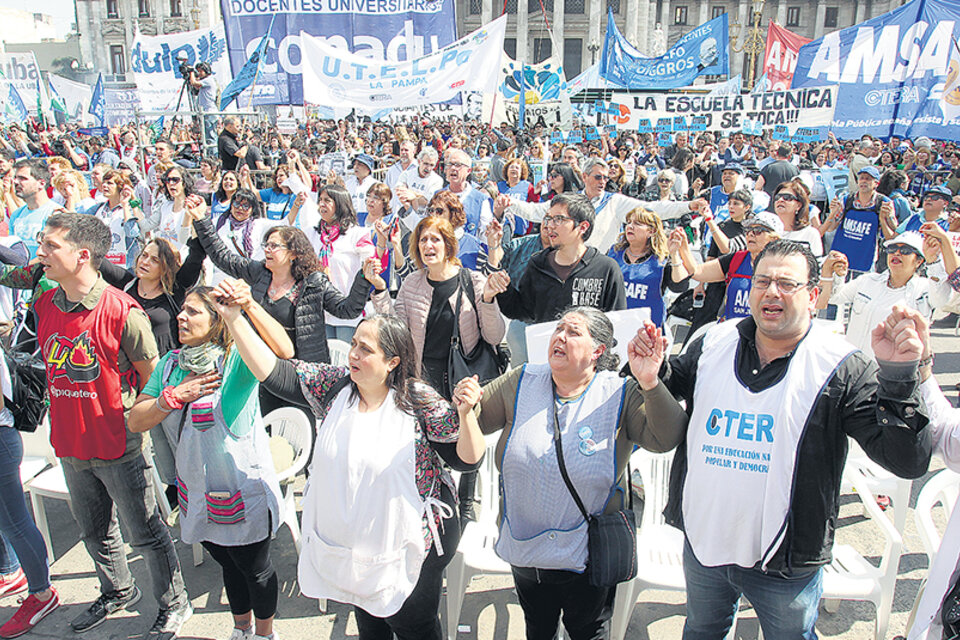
[703, 51]
[780, 57]
[337, 78]
[808, 108]
[379, 30]
[119, 106]
[545, 88]
[22, 71]
[440, 111]
[156, 70]
[891, 72]
[835, 181]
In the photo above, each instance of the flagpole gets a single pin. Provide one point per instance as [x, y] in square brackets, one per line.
[256, 75]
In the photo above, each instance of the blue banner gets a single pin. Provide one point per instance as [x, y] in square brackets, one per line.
[98, 101]
[16, 110]
[393, 30]
[891, 71]
[251, 68]
[703, 51]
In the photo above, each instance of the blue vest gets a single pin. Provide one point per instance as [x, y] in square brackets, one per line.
[737, 304]
[719, 205]
[856, 236]
[643, 282]
[469, 250]
[472, 206]
[917, 220]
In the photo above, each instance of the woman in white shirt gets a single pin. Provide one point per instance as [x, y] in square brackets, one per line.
[873, 295]
[791, 203]
[167, 218]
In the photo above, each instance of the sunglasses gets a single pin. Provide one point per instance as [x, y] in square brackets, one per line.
[242, 206]
[173, 180]
[789, 197]
[436, 211]
[902, 249]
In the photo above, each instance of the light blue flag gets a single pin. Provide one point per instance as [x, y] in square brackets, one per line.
[98, 101]
[248, 73]
[16, 110]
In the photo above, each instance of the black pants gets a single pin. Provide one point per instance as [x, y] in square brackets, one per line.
[418, 618]
[546, 594]
[249, 577]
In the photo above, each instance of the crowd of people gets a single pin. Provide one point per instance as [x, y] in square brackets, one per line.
[186, 297]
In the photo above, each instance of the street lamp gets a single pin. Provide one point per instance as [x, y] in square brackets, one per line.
[753, 43]
[593, 47]
[195, 13]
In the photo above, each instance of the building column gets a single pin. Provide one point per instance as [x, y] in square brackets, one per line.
[486, 11]
[862, 13]
[743, 18]
[556, 24]
[596, 24]
[665, 21]
[633, 19]
[523, 32]
[704, 12]
[643, 24]
[818, 25]
[782, 12]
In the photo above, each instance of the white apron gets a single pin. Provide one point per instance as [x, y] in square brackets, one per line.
[742, 447]
[363, 539]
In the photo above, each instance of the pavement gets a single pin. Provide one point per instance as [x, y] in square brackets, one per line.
[490, 609]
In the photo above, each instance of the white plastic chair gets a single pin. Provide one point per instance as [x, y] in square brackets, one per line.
[852, 577]
[943, 488]
[475, 555]
[880, 481]
[37, 451]
[339, 352]
[292, 425]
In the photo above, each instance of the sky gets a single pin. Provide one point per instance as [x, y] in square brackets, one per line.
[61, 10]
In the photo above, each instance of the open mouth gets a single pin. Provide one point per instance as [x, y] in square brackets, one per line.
[558, 352]
[771, 311]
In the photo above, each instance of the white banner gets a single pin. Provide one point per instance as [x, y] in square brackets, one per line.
[22, 70]
[546, 94]
[336, 77]
[76, 95]
[153, 61]
[807, 108]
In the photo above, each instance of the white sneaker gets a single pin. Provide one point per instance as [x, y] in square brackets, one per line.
[272, 636]
[241, 634]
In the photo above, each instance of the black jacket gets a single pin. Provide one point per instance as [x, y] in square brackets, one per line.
[319, 294]
[596, 281]
[880, 408]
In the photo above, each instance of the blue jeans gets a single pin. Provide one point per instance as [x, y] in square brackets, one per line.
[98, 495]
[21, 538]
[786, 606]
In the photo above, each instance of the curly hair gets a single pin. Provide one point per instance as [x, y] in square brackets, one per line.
[452, 204]
[304, 259]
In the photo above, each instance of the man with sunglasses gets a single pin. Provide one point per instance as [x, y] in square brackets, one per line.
[858, 219]
[934, 204]
[772, 399]
[610, 208]
[873, 295]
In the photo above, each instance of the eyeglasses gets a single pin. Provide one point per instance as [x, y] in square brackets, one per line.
[555, 220]
[273, 246]
[600, 176]
[554, 174]
[664, 180]
[789, 197]
[755, 231]
[786, 286]
[458, 165]
[242, 206]
[436, 211]
[637, 223]
[173, 180]
[902, 249]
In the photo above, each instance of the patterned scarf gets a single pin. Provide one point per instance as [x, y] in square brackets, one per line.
[328, 235]
[239, 227]
[201, 358]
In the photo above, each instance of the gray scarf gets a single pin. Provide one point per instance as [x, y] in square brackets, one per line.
[200, 359]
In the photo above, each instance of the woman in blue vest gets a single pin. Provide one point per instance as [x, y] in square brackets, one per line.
[515, 183]
[577, 400]
[205, 400]
[472, 253]
[734, 269]
[278, 199]
[643, 255]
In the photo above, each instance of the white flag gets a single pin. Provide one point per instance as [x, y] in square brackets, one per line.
[950, 98]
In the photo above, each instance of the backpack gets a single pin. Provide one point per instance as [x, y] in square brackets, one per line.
[28, 375]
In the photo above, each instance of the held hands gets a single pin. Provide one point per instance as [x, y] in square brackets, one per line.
[497, 283]
[234, 293]
[887, 211]
[931, 245]
[299, 200]
[836, 264]
[494, 232]
[897, 338]
[196, 207]
[675, 241]
[371, 271]
[466, 394]
[500, 206]
[836, 209]
[645, 353]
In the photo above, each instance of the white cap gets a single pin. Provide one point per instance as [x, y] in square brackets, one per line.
[911, 239]
[766, 219]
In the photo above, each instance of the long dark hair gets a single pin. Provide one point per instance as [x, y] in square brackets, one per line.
[220, 193]
[343, 213]
[571, 181]
[304, 259]
[396, 341]
[169, 262]
[185, 180]
[243, 195]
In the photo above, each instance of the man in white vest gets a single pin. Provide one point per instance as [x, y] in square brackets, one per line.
[772, 400]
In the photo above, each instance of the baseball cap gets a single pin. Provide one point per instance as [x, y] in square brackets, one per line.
[910, 238]
[938, 190]
[871, 171]
[732, 166]
[765, 219]
[366, 159]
